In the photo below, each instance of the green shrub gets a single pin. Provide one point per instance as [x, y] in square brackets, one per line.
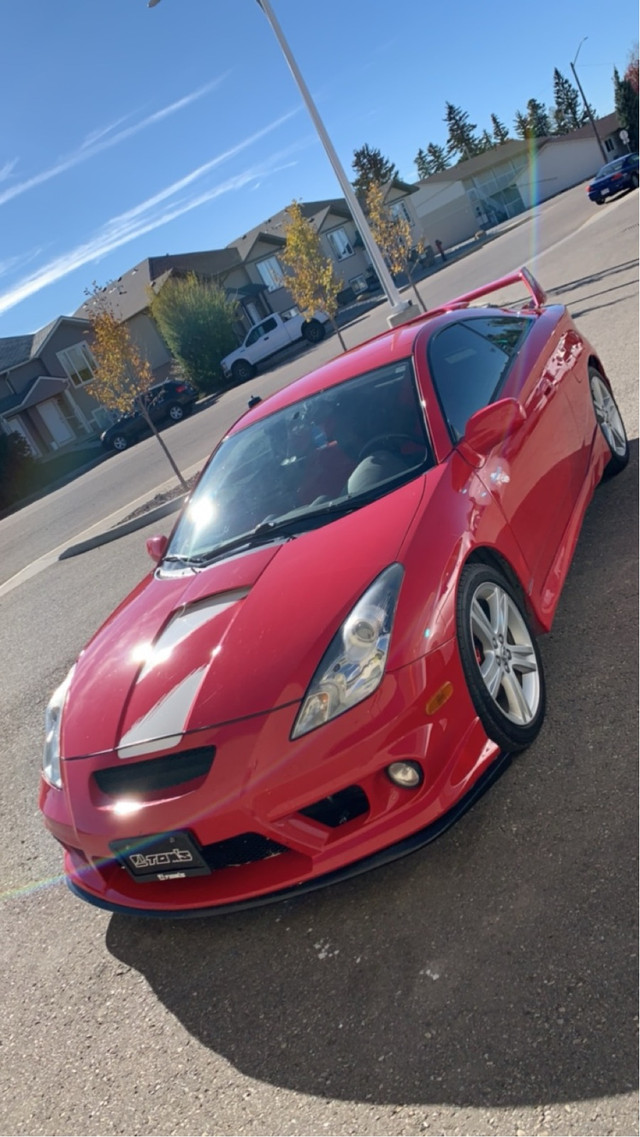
[17, 469]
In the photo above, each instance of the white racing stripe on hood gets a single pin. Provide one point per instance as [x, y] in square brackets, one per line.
[183, 624]
[162, 727]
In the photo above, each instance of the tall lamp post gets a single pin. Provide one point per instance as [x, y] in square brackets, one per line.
[401, 310]
[586, 105]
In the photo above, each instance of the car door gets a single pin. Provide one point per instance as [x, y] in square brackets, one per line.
[533, 472]
[266, 338]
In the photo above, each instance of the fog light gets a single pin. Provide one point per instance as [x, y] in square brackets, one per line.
[405, 774]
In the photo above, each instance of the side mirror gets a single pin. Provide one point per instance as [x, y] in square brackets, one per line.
[489, 426]
[157, 547]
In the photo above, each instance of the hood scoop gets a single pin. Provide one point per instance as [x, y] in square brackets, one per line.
[173, 668]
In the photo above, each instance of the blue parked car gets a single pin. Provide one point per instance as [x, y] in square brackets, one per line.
[621, 174]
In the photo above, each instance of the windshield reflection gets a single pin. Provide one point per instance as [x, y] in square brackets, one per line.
[306, 463]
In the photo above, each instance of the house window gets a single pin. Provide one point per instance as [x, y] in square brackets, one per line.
[103, 418]
[358, 283]
[399, 211]
[78, 363]
[15, 426]
[340, 244]
[271, 272]
[608, 145]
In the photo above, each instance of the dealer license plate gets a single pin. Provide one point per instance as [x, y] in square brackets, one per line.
[167, 856]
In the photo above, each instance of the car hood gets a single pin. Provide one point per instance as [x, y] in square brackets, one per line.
[194, 651]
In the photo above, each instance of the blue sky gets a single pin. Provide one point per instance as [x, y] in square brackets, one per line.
[131, 132]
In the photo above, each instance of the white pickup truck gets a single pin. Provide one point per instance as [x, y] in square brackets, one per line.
[269, 336]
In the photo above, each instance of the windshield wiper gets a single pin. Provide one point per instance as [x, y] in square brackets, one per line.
[264, 532]
[286, 526]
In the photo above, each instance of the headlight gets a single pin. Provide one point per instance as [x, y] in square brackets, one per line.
[52, 722]
[353, 664]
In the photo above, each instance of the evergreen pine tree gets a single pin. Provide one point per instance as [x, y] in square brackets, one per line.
[431, 161]
[538, 119]
[521, 125]
[626, 104]
[567, 115]
[461, 138]
[422, 164]
[370, 166]
[438, 157]
[500, 132]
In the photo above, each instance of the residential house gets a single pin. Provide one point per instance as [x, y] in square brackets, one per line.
[500, 183]
[44, 387]
[339, 239]
[131, 294]
[249, 269]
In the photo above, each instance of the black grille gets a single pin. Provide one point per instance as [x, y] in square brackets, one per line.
[241, 850]
[155, 773]
[338, 808]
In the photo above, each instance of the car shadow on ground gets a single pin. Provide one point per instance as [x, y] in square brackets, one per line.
[593, 278]
[496, 967]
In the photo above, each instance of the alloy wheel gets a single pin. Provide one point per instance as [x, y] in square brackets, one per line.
[608, 416]
[505, 653]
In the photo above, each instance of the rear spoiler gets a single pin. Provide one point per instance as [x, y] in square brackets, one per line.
[521, 275]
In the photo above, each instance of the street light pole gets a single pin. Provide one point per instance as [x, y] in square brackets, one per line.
[401, 310]
[586, 105]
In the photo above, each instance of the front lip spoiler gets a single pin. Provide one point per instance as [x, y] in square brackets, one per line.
[374, 860]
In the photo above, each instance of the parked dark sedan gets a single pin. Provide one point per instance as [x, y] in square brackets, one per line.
[621, 174]
[166, 403]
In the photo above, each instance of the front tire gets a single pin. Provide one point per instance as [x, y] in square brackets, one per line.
[610, 422]
[313, 331]
[119, 442]
[500, 658]
[176, 413]
[242, 370]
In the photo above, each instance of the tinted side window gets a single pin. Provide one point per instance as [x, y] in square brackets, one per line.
[269, 325]
[469, 362]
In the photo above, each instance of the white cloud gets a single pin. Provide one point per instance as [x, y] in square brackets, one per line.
[7, 169]
[99, 140]
[151, 214]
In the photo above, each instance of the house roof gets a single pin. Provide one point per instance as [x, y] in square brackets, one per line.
[39, 389]
[467, 169]
[608, 124]
[129, 294]
[514, 147]
[273, 231]
[15, 350]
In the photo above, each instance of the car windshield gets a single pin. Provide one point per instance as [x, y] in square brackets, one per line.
[307, 463]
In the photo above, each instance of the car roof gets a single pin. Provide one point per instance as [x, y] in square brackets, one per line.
[390, 346]
[385, 348]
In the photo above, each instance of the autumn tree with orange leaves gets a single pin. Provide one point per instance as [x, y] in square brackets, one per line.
[312, 281]
[123, 374]
[392, 235]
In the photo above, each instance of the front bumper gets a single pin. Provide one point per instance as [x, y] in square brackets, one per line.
[275, 817]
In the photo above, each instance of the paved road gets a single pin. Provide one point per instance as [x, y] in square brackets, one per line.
[485, 985]
[546, 241]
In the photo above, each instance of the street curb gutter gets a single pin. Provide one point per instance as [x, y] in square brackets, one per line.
[122, 530]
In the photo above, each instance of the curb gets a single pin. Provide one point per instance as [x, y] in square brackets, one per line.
[122, 530]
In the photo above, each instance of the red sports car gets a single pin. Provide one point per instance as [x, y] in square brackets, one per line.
[336, 652]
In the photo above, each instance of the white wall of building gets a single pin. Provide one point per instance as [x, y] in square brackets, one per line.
[557, 167]
[443, 213]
